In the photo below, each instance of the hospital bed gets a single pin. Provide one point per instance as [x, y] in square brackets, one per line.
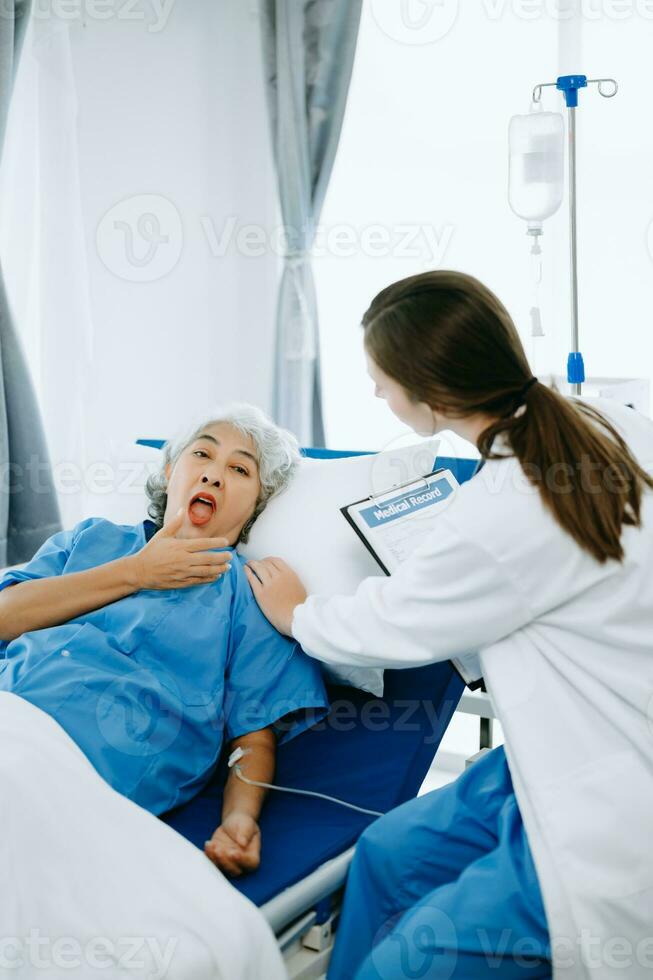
[373, 752]
[370, 751]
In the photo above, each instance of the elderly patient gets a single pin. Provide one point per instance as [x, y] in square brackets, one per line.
[145, 642]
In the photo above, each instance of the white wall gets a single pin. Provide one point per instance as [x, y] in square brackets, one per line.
[170, 121]
[424, 151]
[178, 114]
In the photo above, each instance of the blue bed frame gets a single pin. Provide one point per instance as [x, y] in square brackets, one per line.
[373, 752]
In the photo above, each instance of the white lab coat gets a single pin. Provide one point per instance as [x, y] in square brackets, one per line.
[566, 646]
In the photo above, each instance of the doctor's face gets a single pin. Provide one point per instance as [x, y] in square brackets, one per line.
[417, 415]
[216, 482]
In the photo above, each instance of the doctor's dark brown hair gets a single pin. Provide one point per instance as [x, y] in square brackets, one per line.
[449, 342]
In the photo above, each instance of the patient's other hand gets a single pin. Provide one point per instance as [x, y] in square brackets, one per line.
[236, 845]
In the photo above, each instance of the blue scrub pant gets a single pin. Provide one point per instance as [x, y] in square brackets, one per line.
[445, 886]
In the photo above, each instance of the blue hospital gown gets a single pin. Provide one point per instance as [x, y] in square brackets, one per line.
[151, 685]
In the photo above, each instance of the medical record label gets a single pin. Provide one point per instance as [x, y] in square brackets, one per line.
[406, 503]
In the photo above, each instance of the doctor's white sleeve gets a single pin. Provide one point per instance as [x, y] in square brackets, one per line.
[449, 598]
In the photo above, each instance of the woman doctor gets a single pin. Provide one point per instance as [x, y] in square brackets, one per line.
[538, 859]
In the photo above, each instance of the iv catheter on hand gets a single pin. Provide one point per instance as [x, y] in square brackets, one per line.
[570, 85]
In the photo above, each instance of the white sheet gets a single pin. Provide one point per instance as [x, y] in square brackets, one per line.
[89, 879]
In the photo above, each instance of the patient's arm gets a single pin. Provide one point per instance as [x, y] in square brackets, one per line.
[236, 845]
[36, 604]
[166, 562]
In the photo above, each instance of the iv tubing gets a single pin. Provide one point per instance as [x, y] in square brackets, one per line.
[304, 792]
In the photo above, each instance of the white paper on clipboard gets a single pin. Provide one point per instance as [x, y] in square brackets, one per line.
[392, 524]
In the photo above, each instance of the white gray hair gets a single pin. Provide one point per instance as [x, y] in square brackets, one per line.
[276, 450]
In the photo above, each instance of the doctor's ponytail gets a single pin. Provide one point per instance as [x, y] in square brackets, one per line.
[450, 343]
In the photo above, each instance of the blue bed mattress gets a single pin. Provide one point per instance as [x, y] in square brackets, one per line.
[372, 752]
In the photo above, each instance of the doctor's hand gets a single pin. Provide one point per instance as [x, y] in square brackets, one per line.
[236, 845]
[168, 562]
[277, 589]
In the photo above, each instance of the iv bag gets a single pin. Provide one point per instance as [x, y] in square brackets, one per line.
[536, 173]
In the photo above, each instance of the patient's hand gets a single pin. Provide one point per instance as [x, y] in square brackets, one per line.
[236, 845]
[169, 562]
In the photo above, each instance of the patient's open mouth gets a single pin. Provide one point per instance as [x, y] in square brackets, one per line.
[202, 508]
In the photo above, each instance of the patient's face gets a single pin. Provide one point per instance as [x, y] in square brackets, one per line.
[216, 482]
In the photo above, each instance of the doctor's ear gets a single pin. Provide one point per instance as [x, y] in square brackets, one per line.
[167, 470]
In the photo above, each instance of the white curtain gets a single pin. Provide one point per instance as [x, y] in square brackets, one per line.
[44, 253]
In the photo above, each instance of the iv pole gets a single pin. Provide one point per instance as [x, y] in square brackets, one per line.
[569, 85]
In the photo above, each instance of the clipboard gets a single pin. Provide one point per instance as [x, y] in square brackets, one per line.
[393, 508]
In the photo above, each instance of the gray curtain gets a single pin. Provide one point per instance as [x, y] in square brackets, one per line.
[29, 511]
[308, 50]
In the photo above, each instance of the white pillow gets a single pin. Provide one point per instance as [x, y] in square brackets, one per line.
[304, 526]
